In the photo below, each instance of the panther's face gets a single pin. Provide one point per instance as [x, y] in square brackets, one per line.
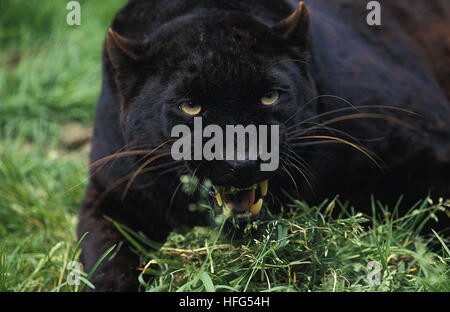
[198, 78]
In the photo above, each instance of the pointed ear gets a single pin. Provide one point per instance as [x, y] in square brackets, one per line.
[296, 26]
[121, 49]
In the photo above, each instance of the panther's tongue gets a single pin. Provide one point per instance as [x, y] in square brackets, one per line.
[240, 201]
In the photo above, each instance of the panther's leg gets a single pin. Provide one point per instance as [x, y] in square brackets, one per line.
[116, 274]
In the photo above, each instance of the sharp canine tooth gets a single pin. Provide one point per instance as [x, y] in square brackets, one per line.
[256, 208]
[218, 199]
[264, 187]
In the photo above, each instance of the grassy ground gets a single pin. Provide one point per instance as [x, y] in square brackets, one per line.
[49, 82]
[49, 77]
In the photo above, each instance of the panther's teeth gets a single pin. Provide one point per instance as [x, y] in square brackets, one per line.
[219, 199]
[256, 208]
[264, 187]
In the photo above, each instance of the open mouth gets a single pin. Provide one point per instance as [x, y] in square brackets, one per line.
[241, 202]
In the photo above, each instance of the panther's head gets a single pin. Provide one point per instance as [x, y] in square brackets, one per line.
[219, 69]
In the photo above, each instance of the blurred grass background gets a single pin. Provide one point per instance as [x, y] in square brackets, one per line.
[50, 75]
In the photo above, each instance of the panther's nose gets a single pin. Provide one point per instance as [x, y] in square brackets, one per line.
[243, 169]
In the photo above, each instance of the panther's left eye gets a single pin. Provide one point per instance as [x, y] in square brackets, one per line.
[270, 98]
[191, 108]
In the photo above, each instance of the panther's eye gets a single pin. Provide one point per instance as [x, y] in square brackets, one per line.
[191, 108]
[270, 98]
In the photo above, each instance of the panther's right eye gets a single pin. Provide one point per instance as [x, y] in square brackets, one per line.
[270, 98]
[191, 108]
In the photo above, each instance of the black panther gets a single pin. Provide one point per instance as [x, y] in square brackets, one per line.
[361, 110]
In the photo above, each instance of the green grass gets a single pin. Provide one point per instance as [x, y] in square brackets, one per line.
[49, 76]
[303, 249]
[49, 72]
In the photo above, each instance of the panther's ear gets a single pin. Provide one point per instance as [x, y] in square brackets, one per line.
[296, 26]
[121, 49]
